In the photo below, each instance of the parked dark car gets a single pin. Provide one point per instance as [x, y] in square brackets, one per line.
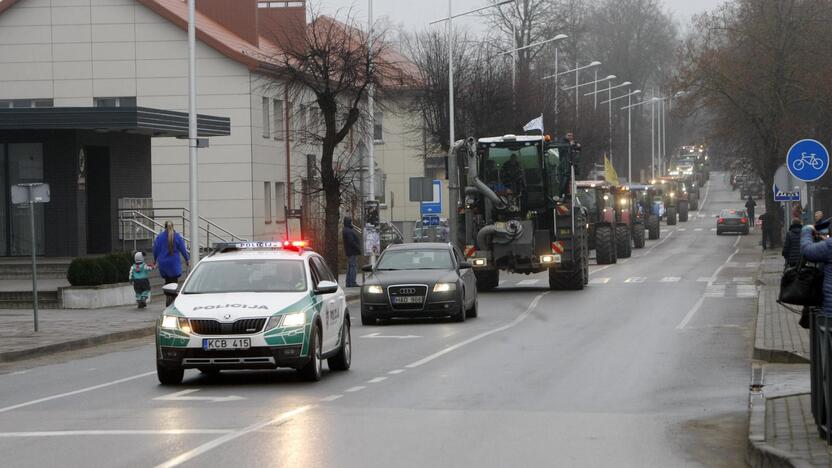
[419, 280]
[732, 221]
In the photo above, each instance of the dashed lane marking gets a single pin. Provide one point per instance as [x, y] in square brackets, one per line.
[704, 279]
[670, 279]
[377, 380]
[396, 371]
[635, 279]
[698, 229]
[357, 388]
[115, 432]
[742, 279]
[599, 281]
[682, 229]
[331, 398]
[689, 316]
[713, 229]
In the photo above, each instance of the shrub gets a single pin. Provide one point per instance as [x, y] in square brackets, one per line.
[109, 272]
[122, 261]
[85, 272]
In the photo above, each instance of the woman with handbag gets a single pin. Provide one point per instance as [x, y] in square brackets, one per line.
[820, 253]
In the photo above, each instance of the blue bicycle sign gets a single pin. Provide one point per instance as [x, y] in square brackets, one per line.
[808, 160]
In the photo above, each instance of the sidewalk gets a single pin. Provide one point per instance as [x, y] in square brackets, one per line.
[781, 430]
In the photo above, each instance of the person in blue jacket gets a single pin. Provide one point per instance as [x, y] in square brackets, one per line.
[820, 252]
[167, 248]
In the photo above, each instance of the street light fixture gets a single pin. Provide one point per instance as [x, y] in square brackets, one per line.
[609, 101]
[575, 70]
[514, 51]
[629, 107]
[607, 78]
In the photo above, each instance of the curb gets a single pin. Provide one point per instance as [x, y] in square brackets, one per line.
[759, 454]
[74, 345]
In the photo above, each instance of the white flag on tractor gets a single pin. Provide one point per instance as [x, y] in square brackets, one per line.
[535, 124]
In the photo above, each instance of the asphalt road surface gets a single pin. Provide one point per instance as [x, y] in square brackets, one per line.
[649, 366]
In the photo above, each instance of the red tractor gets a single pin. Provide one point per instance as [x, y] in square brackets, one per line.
[630, 220]
[597, 198]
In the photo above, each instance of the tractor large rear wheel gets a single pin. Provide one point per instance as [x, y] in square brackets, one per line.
[653, 228]
[684, 208]
[487, 279]
[623, 247]
[605, 245]
[694, 202]
[670, 214]
[638, 235]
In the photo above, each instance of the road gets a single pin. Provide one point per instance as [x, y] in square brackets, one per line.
[649, 366]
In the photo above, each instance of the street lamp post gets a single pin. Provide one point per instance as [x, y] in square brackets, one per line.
[630, 156]
[629, 108]
[609, 102]
[576, 70]
[192, 133]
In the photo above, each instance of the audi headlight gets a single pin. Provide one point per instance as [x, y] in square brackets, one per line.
[373, 289]
[298, 319]
[444, 287]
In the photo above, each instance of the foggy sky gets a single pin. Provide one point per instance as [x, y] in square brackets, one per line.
[416, 14]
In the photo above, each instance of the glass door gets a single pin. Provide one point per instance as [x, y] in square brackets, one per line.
[25, 165]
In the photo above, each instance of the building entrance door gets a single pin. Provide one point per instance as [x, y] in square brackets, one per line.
[99, 218]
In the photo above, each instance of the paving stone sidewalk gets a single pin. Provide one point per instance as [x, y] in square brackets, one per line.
[779, 338]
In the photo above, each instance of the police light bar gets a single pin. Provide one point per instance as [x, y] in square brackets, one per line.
[291, 245]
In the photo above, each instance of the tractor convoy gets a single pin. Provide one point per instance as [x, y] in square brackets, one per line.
[520, 207]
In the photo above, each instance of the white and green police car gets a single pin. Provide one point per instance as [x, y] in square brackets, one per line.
[255, 305]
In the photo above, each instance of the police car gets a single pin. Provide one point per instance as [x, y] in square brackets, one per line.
[255, 305]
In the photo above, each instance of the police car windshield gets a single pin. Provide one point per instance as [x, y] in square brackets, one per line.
[247, 275]
[416, 259]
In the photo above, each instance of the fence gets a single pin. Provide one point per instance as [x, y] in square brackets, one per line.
[821, 373]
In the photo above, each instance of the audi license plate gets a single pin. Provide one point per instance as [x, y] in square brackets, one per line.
[209, 344]
[408, 300]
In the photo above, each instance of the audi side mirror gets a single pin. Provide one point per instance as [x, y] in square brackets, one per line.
[367, 268]
[465, 265]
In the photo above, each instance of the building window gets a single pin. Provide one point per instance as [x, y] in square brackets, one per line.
[280, 201]
[279, 123]
[25, 103]
[266, 118]
[378, 133]
[267, 201]
[124, 101]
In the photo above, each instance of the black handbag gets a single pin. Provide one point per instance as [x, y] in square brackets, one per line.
[802, 285]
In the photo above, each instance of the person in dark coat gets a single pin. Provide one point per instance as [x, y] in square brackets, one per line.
[821, 253]
[791, 244]
[352, 249]
[749, 206]
[167, 248]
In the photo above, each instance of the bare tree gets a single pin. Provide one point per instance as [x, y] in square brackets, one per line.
[336, 63]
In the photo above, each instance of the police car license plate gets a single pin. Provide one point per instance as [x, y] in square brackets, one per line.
[408, 300]
[209, 344]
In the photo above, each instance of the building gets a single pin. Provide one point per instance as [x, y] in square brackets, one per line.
[132, 54]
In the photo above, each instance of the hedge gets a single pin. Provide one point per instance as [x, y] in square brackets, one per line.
[95, 271]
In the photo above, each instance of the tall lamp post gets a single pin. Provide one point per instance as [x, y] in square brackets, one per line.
[629, 109]
[192, 133]
[629, 97]
[513, 53]
[609, 89]
[576, 71]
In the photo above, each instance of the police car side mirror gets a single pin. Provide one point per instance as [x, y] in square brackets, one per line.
[171, 289]
[367, 268]
[326, 287]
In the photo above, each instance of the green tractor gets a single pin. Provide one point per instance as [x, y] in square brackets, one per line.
[675, 198]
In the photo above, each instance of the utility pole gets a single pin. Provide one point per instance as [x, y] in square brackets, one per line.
[371, 111]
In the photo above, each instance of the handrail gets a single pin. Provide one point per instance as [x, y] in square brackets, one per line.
[211, 223]
[132, 214]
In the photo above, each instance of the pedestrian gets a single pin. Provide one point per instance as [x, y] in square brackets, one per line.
[749, 206]
[819, 252]
[766, 223]
[352, 249]
[140, 277]
[791, 244]
[167, 249]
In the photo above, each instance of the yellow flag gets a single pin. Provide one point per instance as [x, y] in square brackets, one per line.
[609, 171]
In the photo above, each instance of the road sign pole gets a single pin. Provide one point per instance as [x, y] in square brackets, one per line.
[34, 256]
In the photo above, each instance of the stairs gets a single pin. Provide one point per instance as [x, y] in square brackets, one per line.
[23, 299]
[21, 269]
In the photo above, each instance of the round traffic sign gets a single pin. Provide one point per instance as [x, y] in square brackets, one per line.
[807, 160]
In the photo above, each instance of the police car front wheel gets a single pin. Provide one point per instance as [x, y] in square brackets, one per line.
[313, 369]
[169, 375]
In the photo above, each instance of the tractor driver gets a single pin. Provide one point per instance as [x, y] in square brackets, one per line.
[513, 176]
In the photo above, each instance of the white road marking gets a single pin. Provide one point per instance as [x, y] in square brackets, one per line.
[507, 326]
[395, 337]
[528, 282]
[704, 279]
[732, 264]
[599, 269]
[114, 432]
[396, 371]
[184, 395]
[357, 388]
[752, 264]
[746, 290]
[20, 372]
[635, 279]
[705, 198]
[599, 281]
[377, 380]
[331, 398]
[689, 316]
[682, 229]
[742, 279]
[713, 229]
[660, 242]
[210, 445]
[75, 392]
[698, 229]
[671, 279]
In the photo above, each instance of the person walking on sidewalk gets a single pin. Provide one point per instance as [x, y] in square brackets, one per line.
[791, 244]
[749, 206]
[167, 248]
[140, 277]
[352, 249]
[819, 252]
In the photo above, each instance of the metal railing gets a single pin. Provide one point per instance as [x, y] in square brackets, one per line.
[145, 221]
[820, 371]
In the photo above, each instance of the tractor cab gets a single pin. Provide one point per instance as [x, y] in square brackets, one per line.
[675, 198]
[597, 197]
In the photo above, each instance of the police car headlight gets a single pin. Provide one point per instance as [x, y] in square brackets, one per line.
[373, 289]
[170, 322]
[298, 319]
[444, 287]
